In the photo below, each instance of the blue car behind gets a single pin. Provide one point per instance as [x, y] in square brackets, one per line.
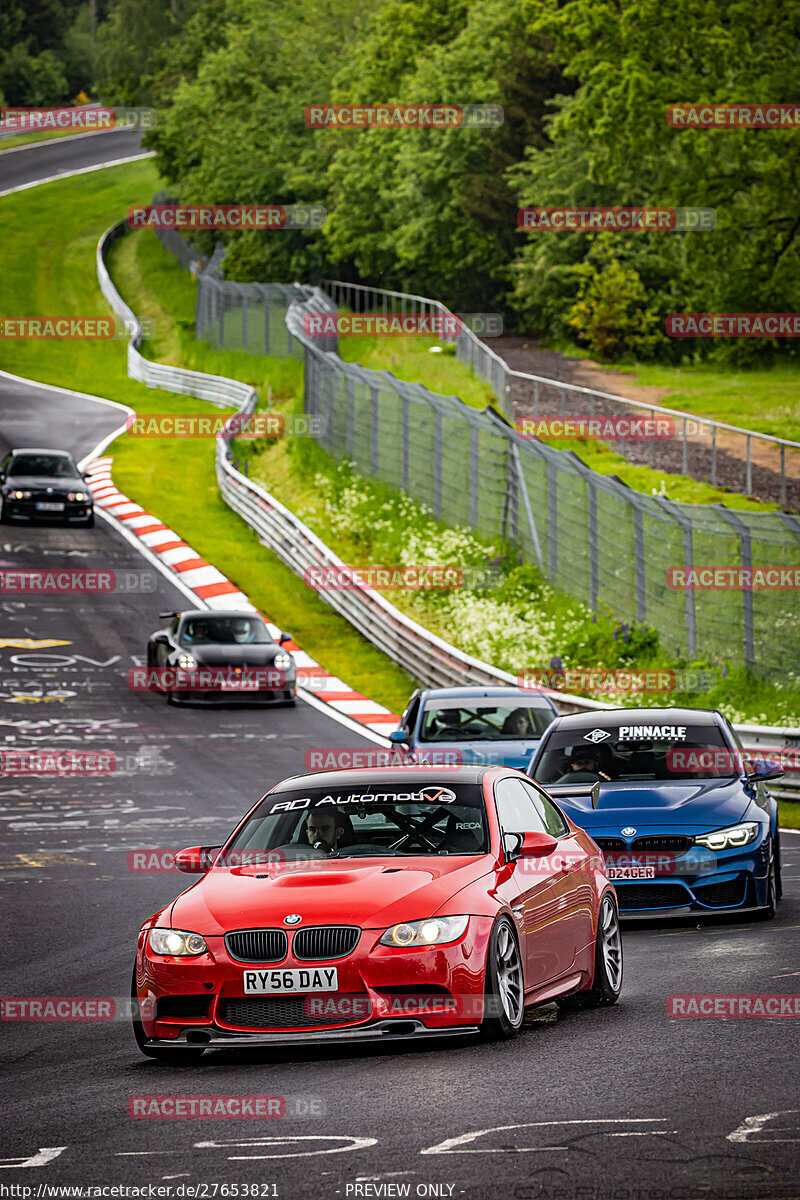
[500, 726]
[684, 820]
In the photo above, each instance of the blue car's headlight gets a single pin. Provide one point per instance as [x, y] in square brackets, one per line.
[730, 838]
[433, 931]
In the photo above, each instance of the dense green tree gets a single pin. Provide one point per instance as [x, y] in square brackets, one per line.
[611, 144]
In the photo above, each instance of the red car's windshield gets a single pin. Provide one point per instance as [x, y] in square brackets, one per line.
[385, 820]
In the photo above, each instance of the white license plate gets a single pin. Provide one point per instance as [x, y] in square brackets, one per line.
[631, 872]
[306, 979]
[47, 506]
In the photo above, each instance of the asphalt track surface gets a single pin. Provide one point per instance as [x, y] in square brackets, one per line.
[624, 1103]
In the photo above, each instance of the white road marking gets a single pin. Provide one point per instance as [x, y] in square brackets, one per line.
[43, 1156]
[453, 1145]
[750, 1126]
[356, 1143]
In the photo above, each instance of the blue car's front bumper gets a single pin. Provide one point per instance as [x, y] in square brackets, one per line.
[699, 881]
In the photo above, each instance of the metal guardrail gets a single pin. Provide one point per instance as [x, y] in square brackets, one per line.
[429, 660]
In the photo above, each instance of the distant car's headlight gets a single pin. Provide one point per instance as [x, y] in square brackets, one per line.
[727, 839]
[282, 662]
[433, 931]
[20, 495]
[176, 942]
[187, 662]
[77, 496]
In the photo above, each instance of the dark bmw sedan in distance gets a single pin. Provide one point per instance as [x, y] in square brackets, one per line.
[44, 486]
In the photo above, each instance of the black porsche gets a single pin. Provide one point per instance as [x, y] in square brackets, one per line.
[219, 657]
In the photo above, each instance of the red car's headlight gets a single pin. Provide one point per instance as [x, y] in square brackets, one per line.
[176, 942]
[433, 931]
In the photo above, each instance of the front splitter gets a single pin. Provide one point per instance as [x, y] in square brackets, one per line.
[383, 1031]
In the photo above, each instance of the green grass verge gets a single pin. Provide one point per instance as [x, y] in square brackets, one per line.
[789, 814]
[49, 236]
[764, 399]
[411, 359]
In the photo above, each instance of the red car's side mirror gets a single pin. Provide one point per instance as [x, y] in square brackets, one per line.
[194, 860]
[536, 845]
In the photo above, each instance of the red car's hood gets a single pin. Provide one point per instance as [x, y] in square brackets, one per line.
[370, 892]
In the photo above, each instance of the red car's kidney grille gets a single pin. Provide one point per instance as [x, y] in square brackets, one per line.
[257, 945]
[324, 941]
[278, 1012]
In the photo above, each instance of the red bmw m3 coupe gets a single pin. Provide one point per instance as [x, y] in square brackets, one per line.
[379, 904]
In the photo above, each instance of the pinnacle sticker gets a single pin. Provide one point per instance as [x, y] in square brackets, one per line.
[597, 735]
[636, 733]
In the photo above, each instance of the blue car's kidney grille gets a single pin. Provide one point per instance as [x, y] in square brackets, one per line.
[324, 941]
[611, 843]
[257, 945]
[677, 842]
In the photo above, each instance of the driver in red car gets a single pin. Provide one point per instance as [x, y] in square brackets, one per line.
[328, 830]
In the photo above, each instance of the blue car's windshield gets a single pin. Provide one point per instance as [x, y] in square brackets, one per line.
[636, 752]
[488, 719]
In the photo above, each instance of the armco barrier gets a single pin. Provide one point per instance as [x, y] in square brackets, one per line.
[426, 657]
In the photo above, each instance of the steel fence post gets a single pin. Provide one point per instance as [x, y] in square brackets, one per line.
[746, 554]
[374, 441]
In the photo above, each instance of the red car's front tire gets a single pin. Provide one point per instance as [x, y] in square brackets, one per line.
[504, 989]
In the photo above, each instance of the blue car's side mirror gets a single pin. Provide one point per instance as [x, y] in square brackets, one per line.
[763, 771]
[398, 735]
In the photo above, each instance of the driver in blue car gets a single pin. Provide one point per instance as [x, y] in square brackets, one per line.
[584, 767]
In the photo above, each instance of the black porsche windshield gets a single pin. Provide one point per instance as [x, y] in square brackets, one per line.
[389, 819]
[51, 466]
[207, 631]
[635, 752]
[484, 719]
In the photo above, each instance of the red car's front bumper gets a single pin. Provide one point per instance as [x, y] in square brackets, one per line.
[382, 992]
